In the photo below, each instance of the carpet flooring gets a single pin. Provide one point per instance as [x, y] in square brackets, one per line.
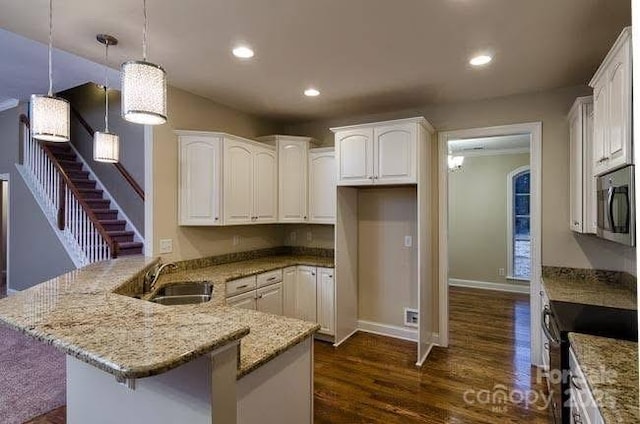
[32, 377]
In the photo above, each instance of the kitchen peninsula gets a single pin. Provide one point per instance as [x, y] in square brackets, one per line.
[131, 360]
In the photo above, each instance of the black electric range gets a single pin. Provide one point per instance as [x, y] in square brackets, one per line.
[562, 318]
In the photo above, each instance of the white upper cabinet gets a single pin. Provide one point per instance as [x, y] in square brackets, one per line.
[250, 179]
[395, 153]
[292, 176]
[238, 182]
[322, 186]
[582, 186]
[354, 149]
[380, 153]
[265, 192]
[200, 186]
[612, 144]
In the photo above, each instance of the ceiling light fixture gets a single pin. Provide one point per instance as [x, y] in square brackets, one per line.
[50, 114]
[455, 162]
[480, 60]
[106, 145]
[311, 92]
[144, 87]
[243, 52]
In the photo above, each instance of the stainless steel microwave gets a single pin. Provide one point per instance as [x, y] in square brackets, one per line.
[616, 206]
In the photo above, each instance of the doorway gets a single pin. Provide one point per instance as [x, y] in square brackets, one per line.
[522, 214]
[4, 233]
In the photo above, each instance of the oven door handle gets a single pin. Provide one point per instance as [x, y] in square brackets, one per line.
[546, 313]
[610, 193]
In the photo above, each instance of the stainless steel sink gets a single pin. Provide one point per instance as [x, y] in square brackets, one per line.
[184, 293]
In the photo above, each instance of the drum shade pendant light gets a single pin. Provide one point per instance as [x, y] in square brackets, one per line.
[49, 114]
[106, 145]
[144, 87]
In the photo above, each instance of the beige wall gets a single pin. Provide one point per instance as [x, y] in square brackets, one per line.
[478, 217]
[190, 112]
[387, 280]
[309, 235]
[560, 246]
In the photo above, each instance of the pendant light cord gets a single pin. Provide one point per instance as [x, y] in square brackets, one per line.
[144, 31]
[50, 47]
[106, 86]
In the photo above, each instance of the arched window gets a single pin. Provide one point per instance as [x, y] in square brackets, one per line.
[519, 228]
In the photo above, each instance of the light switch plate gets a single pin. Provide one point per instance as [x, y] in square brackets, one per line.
[166, 246]
[408, 241]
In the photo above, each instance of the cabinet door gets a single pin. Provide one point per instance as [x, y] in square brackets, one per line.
[322, 187]
[292, 164]
[325, 301]
[600, 119]
[265, 185]
[270, 299]
[575, 172]
[289, 292]
[306, 293]
[589, 195]
[619, 128]
[200, 187]
[238, 182]
[395, 154]
[354, 149]
[243, 301]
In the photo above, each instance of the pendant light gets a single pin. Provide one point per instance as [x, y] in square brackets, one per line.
[144, 87]
[49, 114]
[106, 145]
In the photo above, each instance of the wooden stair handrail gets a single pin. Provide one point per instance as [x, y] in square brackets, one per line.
[66, 180]
[121, 169]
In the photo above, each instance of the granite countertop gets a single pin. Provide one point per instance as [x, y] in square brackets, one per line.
[591, 287]
[88, 314]
[611, 369]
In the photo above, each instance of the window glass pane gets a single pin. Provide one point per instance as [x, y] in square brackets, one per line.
[522, 205]
[522, 183]
[521, 228]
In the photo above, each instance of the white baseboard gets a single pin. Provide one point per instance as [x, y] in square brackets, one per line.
[410, 334]
[338, 343]
[486, 285]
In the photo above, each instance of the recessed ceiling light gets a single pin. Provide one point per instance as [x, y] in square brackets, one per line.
[311, 92]
[243, 52]
[480, 60]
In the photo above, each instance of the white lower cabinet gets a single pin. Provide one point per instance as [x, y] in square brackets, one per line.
[289, 282]
[302, 292]
[325, 301]
[269, 299]
[584, 409]
[306, 287]
[244, 301]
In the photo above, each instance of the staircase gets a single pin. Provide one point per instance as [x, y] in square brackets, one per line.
[100, 206]
[84, 216]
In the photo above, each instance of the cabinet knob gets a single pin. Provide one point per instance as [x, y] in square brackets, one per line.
[216, 218]
[576, 223]
[541, 293]
[305, 217]
[375, 177]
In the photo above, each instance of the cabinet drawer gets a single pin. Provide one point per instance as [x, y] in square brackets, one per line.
[244, 301]
[270, 277]
[583, 405]
[241, 286]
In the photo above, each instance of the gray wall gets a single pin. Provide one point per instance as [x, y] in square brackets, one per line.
[88, 99]
[35, 253]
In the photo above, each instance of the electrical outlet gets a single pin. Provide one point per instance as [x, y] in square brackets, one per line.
[236, 240]
[411, 317]
[501, 272]
[408, 241]
[309, 236]
[166, 246]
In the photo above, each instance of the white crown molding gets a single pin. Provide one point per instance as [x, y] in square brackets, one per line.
[490, 152]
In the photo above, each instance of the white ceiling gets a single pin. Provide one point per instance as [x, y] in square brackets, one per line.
[503, 144]
[364, 55]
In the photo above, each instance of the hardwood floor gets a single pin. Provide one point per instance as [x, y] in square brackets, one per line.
[373, 379]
